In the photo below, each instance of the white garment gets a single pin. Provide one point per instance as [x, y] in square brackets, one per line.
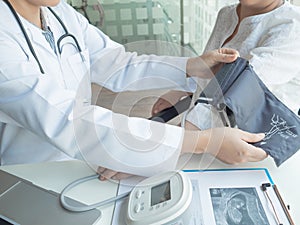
[271, 42]
[46, 117]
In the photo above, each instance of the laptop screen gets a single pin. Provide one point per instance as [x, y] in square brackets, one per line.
[6, 221]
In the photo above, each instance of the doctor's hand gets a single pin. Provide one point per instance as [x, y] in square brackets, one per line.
[206, 65]
[203, 66]
[105, 174]
[230, 145]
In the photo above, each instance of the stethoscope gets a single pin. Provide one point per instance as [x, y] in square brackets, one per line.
[67, 34]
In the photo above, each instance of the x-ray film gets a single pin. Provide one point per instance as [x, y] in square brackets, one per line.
[237, 206]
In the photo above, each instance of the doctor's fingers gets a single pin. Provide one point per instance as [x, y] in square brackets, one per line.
[241, 153]
[121, 176]
[251, 137]
[252, 153]
[106, 174]
[256, 154]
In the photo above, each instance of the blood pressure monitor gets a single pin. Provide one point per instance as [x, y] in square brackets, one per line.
[161, 199]
[164, 199]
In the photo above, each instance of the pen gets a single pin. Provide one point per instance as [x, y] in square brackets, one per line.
[283, 205]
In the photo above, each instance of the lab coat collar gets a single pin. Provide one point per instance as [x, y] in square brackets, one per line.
[34, 33]
[7, 20]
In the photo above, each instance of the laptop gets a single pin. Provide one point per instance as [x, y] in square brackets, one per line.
[23, 203]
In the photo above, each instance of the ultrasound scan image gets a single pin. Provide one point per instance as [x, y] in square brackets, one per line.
[237, 206]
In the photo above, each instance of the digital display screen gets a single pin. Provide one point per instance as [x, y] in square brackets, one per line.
[160, 193]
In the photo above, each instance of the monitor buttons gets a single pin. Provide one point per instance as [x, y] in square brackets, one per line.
[137, 208]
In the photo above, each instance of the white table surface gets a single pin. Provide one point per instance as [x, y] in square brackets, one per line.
[56, 175]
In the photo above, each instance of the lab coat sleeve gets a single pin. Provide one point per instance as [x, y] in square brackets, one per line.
[35, 102]
[276, 57]
[118, 70]
[131, 72]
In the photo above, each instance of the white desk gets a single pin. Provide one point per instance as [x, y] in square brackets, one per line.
[56, 175]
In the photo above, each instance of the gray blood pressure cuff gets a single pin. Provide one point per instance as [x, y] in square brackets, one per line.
[243, 100]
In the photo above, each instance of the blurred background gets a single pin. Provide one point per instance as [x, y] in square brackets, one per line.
[185, 22]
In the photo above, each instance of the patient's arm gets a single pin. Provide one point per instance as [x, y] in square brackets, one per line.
[167, 100]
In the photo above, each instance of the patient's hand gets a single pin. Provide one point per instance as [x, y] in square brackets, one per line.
[106, 174]
[167, 100]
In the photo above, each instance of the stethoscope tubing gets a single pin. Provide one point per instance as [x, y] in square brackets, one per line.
[25, 35]
[67, 34]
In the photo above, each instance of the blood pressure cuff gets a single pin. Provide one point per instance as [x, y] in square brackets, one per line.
[238, 92]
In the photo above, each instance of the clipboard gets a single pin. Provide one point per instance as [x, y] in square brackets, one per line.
[220, 186]
[242, 185]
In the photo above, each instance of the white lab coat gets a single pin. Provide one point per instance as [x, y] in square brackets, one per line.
[46, 117]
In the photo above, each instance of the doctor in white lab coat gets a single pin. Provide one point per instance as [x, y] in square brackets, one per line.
[45, 101]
